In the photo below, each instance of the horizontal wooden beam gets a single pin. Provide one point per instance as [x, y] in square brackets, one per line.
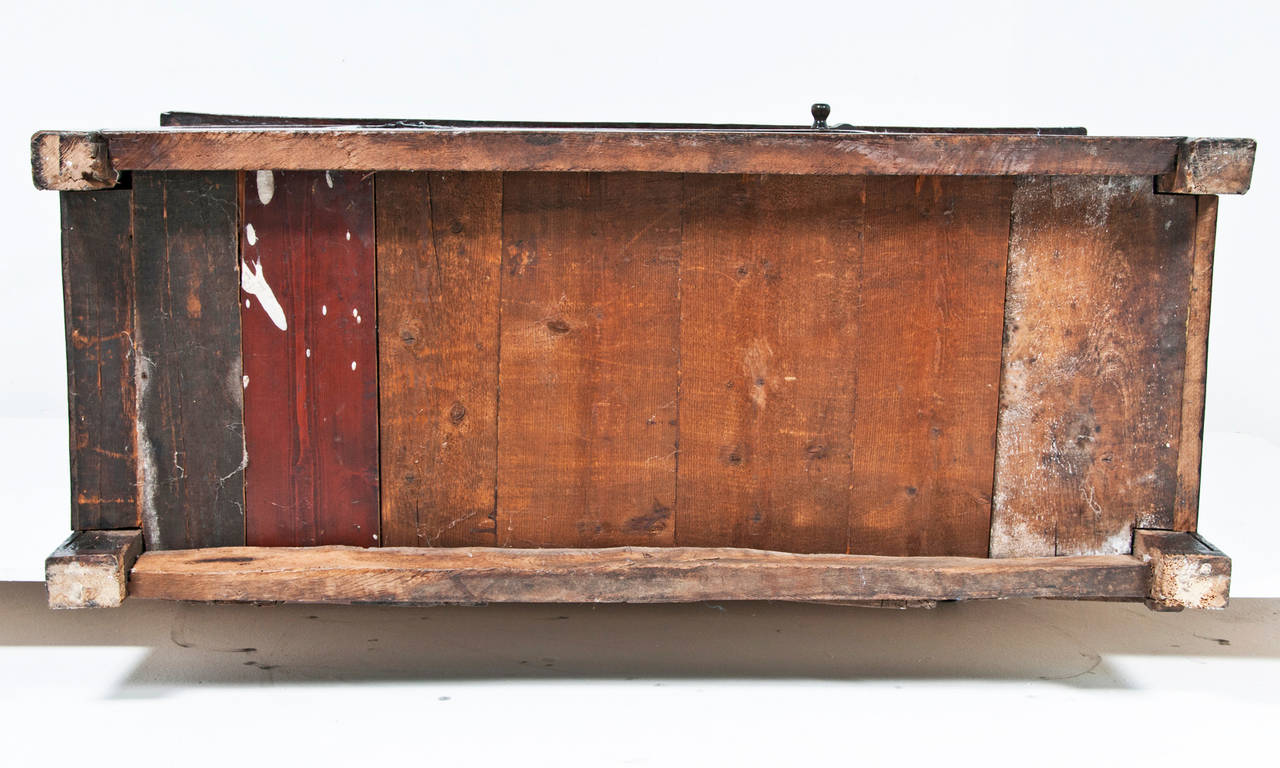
[1185, 570]
[91, 568]
[623, 575]
[659, 150]
[1211, 167]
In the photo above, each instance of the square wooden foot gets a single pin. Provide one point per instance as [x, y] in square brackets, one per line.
[1185, 571]
[91, 568]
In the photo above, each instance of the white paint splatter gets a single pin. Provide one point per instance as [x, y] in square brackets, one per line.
[355, 312]
[324, 309]
[308, 351]
[266, 187]
[247, 304]
[254, 283]
[353, 365]
[244, 381]
[328, 179]
[250, 234]
[348, 235]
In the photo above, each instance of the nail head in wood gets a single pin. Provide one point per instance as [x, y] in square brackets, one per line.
[1184, 571]
[1210, 167]
[91, 568]
[71, 161]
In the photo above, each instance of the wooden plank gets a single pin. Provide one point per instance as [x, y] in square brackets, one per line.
[589, 360]
[190, 410]
[310, 359]
[1091, 392]
[439, 252]
[926, 364]
[200, 119]
[1211, 167]
[1185, 570]
[97, 288]
[1195, 373]
[630, 574]
[659, 150]
[767, 327]
[91, 568]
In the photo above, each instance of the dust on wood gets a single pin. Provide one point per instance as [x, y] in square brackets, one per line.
[91, 568]
[1095, 338]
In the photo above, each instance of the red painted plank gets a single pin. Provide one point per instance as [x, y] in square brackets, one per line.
[310, 359]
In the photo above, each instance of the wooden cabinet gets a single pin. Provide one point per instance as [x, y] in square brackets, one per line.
[432, 362]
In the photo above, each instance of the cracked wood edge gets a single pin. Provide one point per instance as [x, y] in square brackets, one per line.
[620, 574]
[91, 568]
[1210, 167]
[71, 161]
[1185, 571]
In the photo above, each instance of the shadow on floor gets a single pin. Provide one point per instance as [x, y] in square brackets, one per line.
[1032, 640]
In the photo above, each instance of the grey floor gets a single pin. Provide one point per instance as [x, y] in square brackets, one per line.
[1066, 643]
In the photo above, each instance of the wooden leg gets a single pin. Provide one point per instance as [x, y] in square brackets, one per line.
[1185, 571]
[91, 568]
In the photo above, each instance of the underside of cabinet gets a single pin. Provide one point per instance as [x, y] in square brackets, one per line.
[432, 362]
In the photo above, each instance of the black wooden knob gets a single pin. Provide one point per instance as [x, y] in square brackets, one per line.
[820, 114]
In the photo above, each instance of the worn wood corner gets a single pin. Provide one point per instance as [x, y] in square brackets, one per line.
[1210, 167]
[91, 568]
[71, 161]
[1184, 571]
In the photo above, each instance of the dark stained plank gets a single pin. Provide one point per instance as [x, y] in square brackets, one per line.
[768, 333]
[658, 150]
[632, 575]
[1091, 391]
[1191, 434]
[589, 360]
[97, 286]
[201, 119]
[91, 568]
[439, 252]
[190, 432]
[310, 359]
[926, 364]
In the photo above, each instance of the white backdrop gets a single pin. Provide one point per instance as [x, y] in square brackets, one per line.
[1161, 68]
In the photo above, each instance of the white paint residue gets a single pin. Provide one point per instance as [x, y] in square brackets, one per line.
[266, 187]
[328, 179]
[348, 235]
[324, 309]
[244, 381]
[355, 312]
[254, 283]
[308, 351]
[353, 365]
[250, 234]
[247, 304]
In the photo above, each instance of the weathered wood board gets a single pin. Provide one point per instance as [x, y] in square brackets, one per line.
[98, 298]
[310, 358]
[190, 436]
[439, 251]
[622, 574]
[1096, 333]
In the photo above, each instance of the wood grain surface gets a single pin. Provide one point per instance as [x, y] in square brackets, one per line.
[1091, 396]
[310, 358]
[587, 422]
[1195, 373]
[439, 251]
[190, 407]
[627, 575]
[98, 300]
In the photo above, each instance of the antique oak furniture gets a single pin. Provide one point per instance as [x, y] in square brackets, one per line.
[420, 362]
